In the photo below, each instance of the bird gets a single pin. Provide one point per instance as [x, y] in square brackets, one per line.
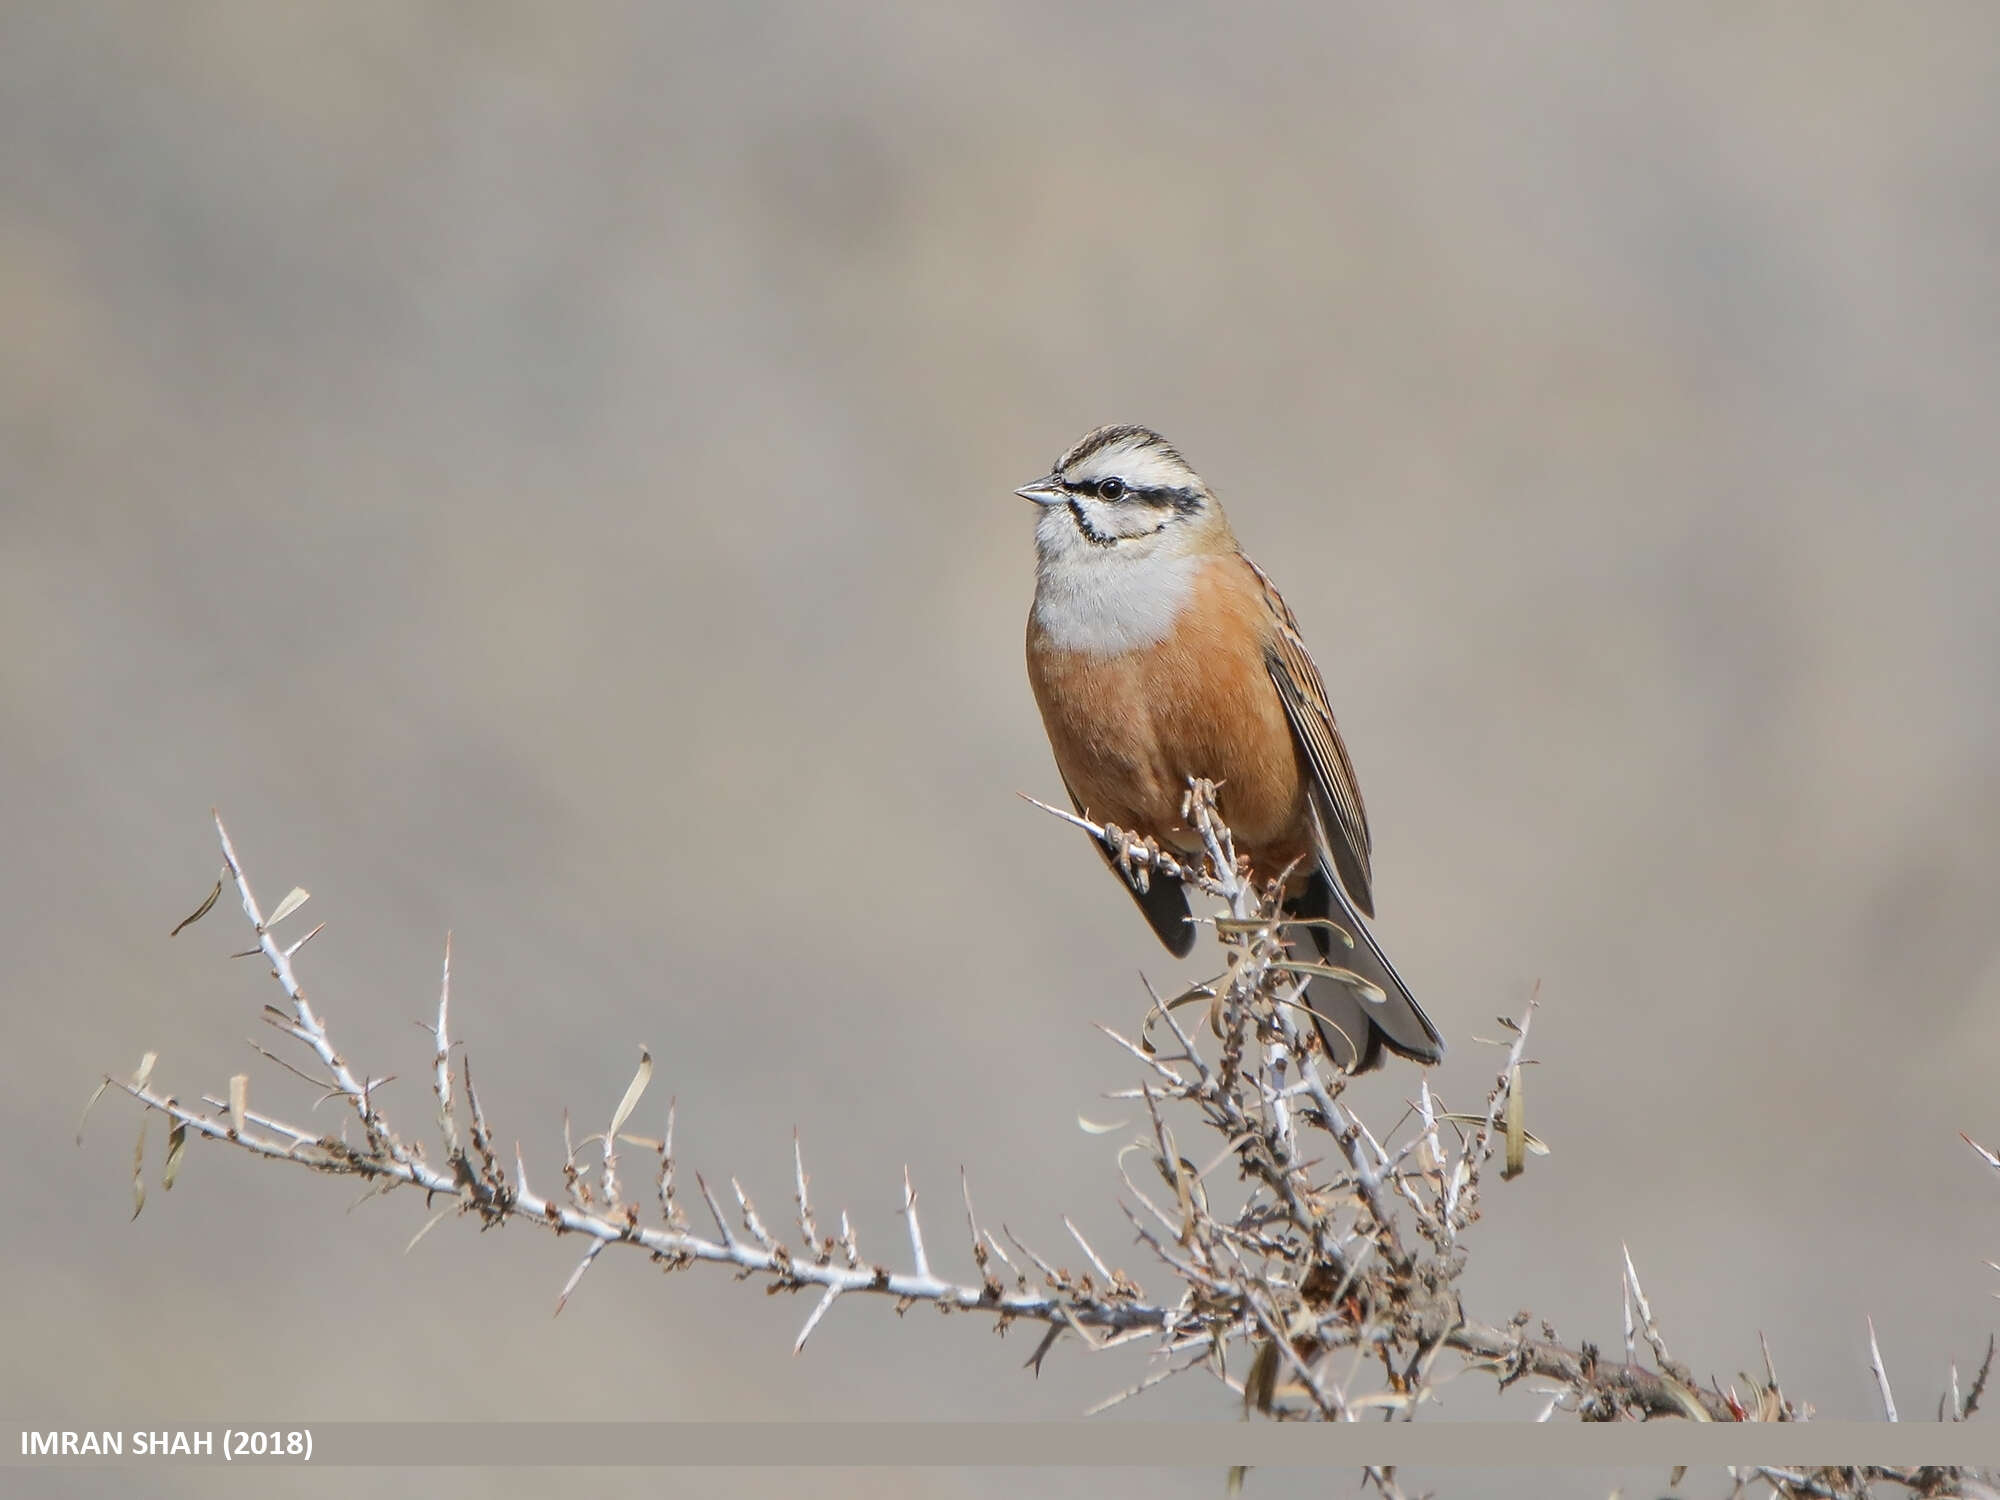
[1159, 652]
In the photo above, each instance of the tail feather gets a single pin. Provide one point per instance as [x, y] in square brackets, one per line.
[1355, 1024]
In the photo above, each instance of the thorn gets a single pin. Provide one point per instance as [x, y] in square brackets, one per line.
[916, 1233]
[1881, 1375]
[812, 1321]
[577, 1275]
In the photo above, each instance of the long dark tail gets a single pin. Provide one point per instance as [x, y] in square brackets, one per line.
[1356, 1024]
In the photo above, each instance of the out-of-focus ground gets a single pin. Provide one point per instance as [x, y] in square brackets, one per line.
[545, 474]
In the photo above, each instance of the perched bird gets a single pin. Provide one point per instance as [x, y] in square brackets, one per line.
[1159, 652]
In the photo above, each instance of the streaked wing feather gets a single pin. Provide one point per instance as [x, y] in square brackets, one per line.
[1304, 696]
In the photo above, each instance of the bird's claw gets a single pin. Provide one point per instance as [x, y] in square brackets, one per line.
[1135, 857]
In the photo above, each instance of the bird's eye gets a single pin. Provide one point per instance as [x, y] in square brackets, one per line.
[1110, 489]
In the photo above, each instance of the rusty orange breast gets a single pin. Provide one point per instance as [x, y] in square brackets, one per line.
[1128, 730]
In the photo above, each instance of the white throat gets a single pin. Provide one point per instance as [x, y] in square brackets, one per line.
[1109, 600]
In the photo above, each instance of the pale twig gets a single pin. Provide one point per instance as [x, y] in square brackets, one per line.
[715, 1212]
[441, 1066]
[294, 948]
[1881, 1374]
[1020, 1276]
[1625, 1286]
[1652, 1332]
[1157, 1064]
[577, 1275]
[520, 1169]
[299, 1073]
[670, 1208]
[1050, 1275]
[812, 1321]
[1301, 1258]
[265, 1122]
[308, 1028]
[1164, 1373]
[972, 1232]
[923, 1263]
[482, 1138]
[1076, 1234]
[808, 1230]
[578, 1189]
[750, 1220]
[673, 1246]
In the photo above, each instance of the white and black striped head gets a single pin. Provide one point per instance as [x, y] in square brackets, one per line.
[1123, 492]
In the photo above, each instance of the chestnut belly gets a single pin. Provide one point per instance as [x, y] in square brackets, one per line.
[1129, 730]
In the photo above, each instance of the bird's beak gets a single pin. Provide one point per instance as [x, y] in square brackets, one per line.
[1045, 491]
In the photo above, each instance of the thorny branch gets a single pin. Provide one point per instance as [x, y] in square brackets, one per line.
[1316, 1284]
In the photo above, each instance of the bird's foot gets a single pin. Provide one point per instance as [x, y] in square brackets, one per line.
[1135, 857]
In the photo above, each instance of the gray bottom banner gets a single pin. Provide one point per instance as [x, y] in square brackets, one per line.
[1011, 1444]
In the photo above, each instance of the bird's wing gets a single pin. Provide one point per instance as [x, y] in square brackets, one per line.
[1164, 901]
[1338, 793]
[1373, 1009]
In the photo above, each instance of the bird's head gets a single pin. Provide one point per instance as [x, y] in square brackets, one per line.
[1124, 492]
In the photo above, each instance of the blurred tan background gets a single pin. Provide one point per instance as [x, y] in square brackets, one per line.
[544, 474]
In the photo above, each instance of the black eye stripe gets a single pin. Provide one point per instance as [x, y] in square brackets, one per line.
[1182, 500]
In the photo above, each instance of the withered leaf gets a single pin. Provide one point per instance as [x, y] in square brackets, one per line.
[199, 912]
[296, 897]
[633, 1091]
[177, 1139]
